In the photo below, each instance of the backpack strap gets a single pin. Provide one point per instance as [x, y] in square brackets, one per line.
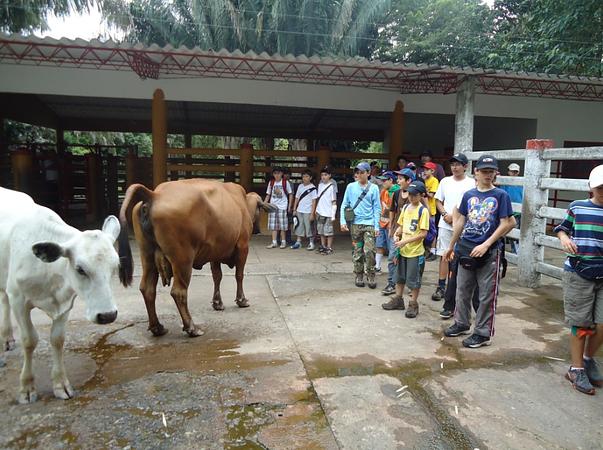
[362, 196]
[306, 192]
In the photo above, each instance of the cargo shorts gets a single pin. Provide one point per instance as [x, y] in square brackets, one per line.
[582, 300]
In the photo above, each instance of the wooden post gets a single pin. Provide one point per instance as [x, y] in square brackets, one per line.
[159, 125]
[131, 160]
[324, 159]
[188, 159]
[22, 161]
[532, 224]
[396, 134]
[93, 193]
[246, 167]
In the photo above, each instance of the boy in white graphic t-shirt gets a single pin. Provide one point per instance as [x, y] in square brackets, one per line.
[303, 209]
[280, 194]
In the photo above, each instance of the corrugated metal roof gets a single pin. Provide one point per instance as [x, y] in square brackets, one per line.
[169, 62]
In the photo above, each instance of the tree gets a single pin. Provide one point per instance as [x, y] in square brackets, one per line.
[18, 16]
[549, 36]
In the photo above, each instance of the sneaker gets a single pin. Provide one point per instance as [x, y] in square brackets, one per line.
[445, 314]
[321, 249]
[396, 302]
[378, 271]
[359, 282]
[438, 294]
[389, 289]
[311, 246]
[579, 380]
[295, 246]
[272, 245]
[413, 310]
[476, 341]
[592, 372]
[431, 257]
[455, 330]
[370, 279]
[284, 245]
[327, 251]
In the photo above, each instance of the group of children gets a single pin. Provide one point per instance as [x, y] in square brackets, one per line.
[312, 209]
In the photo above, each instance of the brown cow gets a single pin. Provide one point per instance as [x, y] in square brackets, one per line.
[183, 225]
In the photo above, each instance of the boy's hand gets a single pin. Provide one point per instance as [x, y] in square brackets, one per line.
[568, 245]
[312, 217]
[344, 227]
[448, 219]
[449, 255]
[480, 250]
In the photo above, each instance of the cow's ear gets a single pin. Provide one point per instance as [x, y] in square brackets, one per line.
[48, 251]
[111, 227]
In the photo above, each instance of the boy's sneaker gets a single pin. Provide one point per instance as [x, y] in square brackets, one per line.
[413, 310]
[592, 372]
[389, 289]
[327, 251]
[311, 246]
[445, 314]
[272, 245]
[295, 246]
[438, 294]
[370, 280]
[476, 341]
[378, 271]
[579, 380]
[455, 330]
[359, 282]
[431, 257]
[321, 249]
[396, 302]
[284, 245]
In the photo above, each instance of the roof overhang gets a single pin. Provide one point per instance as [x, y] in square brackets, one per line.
[154, 62]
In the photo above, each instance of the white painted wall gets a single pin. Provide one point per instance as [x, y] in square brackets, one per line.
[556, 119]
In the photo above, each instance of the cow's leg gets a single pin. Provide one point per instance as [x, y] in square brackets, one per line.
[241, 259]
[216, 271]
[148, 289]
[60, 384]
[182, 278]
[29, 341]
[6, 327]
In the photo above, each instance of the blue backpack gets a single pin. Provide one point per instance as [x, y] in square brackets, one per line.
[432, 233]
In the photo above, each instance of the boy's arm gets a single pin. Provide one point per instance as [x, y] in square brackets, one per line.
[344, 204]
[295, 203]
[267, 199]
[313, 210]
[566, 242]
[376, 207]
[506, 225]
[458, 222]
[417, 237]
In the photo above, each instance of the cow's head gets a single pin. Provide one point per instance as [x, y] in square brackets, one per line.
[92, 261]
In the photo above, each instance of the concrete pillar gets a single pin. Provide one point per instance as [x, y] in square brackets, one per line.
[246, 167]
[159, 125]
[532, 225]
[463, 124]
[396, 133]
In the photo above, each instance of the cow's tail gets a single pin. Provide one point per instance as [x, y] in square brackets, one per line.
[135, 193]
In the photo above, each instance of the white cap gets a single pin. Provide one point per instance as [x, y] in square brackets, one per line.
[514, 167]
[596, 177]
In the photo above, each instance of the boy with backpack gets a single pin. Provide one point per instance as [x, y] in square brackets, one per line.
[326, 210]
[303, 209]
[408, 238]
[382, 243]
[280, 194]
[431, 184]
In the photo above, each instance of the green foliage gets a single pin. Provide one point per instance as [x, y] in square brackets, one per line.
[18, 16]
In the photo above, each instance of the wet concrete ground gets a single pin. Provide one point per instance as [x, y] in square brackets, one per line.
[314, 363]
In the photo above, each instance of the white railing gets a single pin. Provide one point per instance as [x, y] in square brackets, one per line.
[535, 211]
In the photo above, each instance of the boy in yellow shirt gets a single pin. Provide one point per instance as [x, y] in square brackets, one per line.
[408, 238]
[431, 184]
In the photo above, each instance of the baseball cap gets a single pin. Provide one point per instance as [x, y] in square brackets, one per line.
[411, 166]
[595, 178]
[430, 165]
[486, 162]
[406, 173]
[416, 187]
[387, 175]
[514, 166]
[460, 157]
[364, 166]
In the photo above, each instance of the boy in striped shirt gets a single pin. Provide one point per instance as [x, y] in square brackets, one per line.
[581, 235]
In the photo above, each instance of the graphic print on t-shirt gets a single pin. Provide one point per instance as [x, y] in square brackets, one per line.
[481, 215]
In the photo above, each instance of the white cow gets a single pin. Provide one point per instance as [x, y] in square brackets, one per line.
[45, 263]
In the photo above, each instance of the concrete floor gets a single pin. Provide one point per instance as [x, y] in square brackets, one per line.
[314, 363]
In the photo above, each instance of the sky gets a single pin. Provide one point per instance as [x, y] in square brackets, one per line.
[90, 26]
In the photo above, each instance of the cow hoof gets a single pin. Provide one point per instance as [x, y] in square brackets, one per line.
[63, 391]
[218, 306]
[159, 330]
[9, 345]
[243, 303]
[29, 396]
[195, 332]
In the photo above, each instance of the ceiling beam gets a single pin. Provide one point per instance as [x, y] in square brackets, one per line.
[28, 108]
